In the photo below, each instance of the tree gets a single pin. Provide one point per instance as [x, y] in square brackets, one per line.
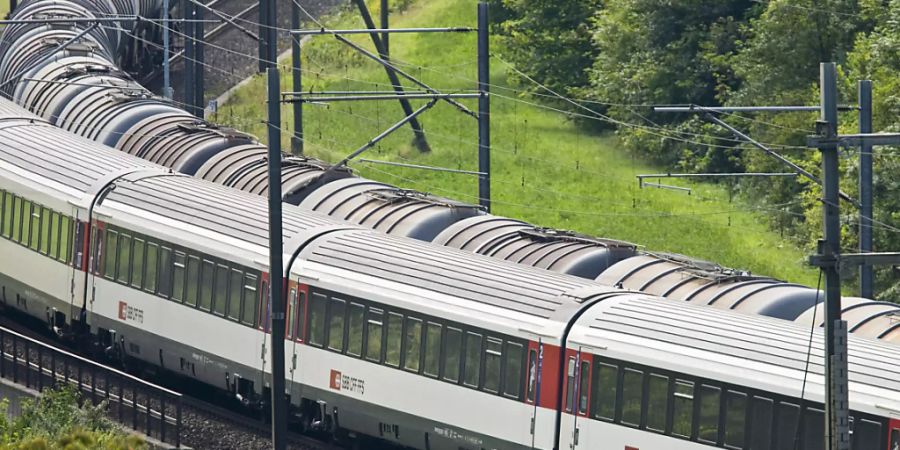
[663, 52]
[549, 40]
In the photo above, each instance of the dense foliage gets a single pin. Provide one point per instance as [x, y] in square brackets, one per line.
[57, 420]
[734, 52]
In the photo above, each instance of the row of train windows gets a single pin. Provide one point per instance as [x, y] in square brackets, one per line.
[692, 409]
[411, 342]
[213, 285]
[36, 227]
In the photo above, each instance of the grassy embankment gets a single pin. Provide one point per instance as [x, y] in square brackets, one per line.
[545, 169]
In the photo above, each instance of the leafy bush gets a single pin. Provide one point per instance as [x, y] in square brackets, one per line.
[60, 420]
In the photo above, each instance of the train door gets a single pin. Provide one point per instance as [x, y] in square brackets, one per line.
[77, 258]
[263, 325]
[295, 308]
[533, 383]
[97, 249]
[578, 376]
[894, 434]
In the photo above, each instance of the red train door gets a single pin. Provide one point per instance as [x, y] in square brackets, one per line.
[894, 434]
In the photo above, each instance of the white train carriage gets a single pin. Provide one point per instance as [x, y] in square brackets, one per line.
[647, 374]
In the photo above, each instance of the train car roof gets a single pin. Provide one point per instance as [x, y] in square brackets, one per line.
[226, 211]
[60, 156]
[742, 349]
[511, 287]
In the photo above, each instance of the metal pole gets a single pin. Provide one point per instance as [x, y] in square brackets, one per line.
[419, 140]
[305, 98]
[190, 55]
[296, 82]
[13, 4]
[484, 109]
[167, 81]
[263, 35]
[385, 37]
[836, 406]
[744, 109]
[199, 66]
[276, 270]
[866, 280]
[272, 34]
[387, 31]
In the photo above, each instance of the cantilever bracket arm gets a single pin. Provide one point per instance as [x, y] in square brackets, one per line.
[381, 136]
[847, 263]
[713, 118]
[409, 77]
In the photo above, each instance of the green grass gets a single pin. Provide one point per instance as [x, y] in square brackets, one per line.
[545, 169]
[4, 8]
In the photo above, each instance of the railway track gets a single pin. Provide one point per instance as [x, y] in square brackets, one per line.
[203, 424]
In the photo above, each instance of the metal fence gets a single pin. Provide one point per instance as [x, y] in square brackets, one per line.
[144, 407]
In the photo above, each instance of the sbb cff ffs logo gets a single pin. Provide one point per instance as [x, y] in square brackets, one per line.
[340, 382]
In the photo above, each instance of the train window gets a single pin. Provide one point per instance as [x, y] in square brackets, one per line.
[207, 275]
[192, 280]
[532, 375]
[137, 271]
[374, 333]
[412, 344]
[251, 300]
[570, 384]
[683, 409]
[46, 219]
[66, 226]
[394, 339]
[866, 435]
[97, 250]
[735, 419]
[584, 378]
[632, 396]
[355, 322]
[813, 429]
[166, 271]
[178, 266]
[512, 385]
[17, 219]
[235, 288]
[55, 235]
[432, 349]
[109, 254]
[220, 300]
[301, 313]
[787, 420]
[493, 358]
[709, 414]
[25, 221]
[35, 227]
[7, 214]
[337, 312]
[317, 319]
[124, 266]
[657, 402]
[452, 350]
[472, 369]
[291, 313]
[603, 395]
[150, 273]
[761, 416]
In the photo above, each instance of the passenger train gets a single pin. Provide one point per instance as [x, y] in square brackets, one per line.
[394, 339]
[82, 89]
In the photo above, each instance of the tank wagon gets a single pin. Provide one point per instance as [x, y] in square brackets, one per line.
[82, 90]
[155, 267]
